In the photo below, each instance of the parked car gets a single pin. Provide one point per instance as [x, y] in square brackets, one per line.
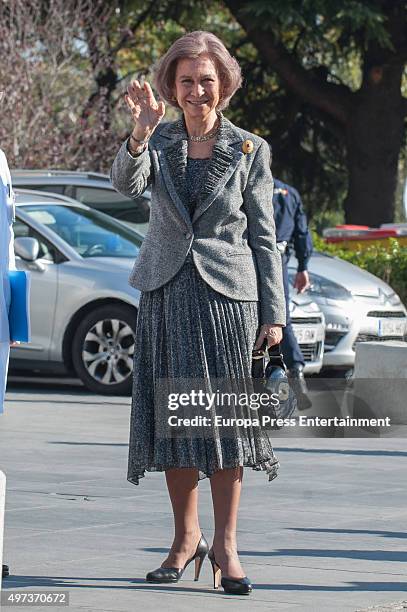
[83, 311]
[90, 188]
[357, 306]
[308, 324]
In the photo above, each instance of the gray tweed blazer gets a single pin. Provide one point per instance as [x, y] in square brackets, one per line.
[232, 232]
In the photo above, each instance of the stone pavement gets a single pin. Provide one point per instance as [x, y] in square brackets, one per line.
[328, 535]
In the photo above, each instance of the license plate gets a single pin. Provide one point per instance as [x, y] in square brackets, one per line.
[305, 335]
[391, 327]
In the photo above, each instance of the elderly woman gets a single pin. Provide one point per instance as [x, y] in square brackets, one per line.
[211, 290]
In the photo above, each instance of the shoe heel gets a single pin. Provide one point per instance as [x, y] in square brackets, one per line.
[198, 565]
[217, 573]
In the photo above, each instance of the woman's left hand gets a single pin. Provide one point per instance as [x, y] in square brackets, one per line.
[273, 334]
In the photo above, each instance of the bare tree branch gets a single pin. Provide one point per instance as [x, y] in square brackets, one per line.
[47, 80]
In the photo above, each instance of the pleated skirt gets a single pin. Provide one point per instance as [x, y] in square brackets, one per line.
[186, 330]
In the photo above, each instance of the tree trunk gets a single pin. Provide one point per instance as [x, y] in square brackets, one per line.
[374, 135]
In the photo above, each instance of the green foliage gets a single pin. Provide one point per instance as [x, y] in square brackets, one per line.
[389, 264]
[307, 151]
[326, 218]
[323, 17]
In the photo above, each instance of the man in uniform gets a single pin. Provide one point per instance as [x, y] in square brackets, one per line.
[292, 233]
[6, 263]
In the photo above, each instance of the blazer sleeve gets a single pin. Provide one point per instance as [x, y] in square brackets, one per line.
[257, 198]
[131, 175]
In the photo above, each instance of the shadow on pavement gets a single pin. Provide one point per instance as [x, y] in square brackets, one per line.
[140, 584]
[384, 534]
[383, 453]
[366, 555]
[64, 582]
[89, 443]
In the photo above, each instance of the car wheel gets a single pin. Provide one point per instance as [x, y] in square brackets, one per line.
[103, 349]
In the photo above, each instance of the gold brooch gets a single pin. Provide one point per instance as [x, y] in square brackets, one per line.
[248, 146]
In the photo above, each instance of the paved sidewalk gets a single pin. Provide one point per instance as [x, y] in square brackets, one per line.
[329, 534]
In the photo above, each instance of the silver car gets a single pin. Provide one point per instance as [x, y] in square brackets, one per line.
[308, 324]
[357, 306]
[83, 311]
[90, 188]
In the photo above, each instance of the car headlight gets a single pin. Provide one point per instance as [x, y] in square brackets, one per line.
[394, 299]
[321, 286]
[337, 327]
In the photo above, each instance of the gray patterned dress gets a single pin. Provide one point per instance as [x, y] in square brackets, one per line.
[185, 329]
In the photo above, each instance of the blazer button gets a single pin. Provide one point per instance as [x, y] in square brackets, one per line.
[188, 235]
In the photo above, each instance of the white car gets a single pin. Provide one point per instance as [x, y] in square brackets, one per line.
[357, 306]
[308, 323]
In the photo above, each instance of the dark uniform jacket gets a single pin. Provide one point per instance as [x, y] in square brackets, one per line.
[291, 222]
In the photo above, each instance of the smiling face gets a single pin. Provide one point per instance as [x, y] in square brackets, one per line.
[197, 87]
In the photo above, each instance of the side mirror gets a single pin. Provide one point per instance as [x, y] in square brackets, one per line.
[27, 248]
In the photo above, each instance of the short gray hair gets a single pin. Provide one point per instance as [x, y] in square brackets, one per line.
[191, 46]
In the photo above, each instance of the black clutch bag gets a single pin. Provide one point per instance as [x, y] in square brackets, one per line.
[269, 374]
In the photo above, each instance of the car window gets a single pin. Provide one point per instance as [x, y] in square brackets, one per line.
[90, 233]
[141, 228]
[114, 204]
[22, 230]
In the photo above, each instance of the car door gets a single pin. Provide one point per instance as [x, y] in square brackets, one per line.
[43, 295]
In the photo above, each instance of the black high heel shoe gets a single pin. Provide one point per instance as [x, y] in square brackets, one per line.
[232, 586]
[173, 574]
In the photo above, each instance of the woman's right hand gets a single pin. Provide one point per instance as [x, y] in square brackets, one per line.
[146, 111]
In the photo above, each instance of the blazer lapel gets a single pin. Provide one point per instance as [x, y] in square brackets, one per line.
[173, 162]
[172, 157]
[224, 161]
